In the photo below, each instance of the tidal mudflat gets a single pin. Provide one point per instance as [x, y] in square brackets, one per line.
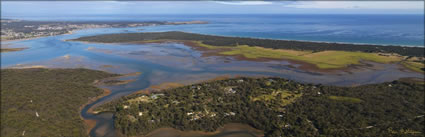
[184, 59]
[175, 62]
[171, 62]
[228, 130]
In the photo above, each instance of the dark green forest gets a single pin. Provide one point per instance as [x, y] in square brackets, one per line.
[279, 107]
[266, 43]
[55, 95]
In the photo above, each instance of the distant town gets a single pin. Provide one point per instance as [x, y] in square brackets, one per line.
[22, 29]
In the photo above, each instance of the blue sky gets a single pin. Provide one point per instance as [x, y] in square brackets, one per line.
[23, 8]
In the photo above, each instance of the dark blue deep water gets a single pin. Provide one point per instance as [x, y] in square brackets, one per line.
[405, 30]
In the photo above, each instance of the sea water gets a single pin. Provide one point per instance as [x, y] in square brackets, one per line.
[383, 29]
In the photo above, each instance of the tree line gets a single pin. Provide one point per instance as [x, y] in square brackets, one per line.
[277, 106]
[266, 43]
[46, 102]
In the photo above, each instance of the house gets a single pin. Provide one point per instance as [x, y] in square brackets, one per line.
[230, 90]
[155, 96]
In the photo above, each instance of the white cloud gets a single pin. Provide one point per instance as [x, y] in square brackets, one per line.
[244, 2]
[358, 4]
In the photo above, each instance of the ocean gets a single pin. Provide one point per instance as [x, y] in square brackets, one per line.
[406, 30]
[175, 62]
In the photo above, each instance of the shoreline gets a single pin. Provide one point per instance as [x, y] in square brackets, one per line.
[289, 40]
[156, 131]
[315, 41]
[32, 38]
[77, 29]
[90, 123]
[226, 128]
[293, 40]
[311, 41]
[24, 39]
[6, 50]
[307, 66]
[177, 132]
[206, 52]
[15, 40]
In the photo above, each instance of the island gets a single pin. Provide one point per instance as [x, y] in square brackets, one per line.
[11, 49]
[47, 102]
[277, 106]
[13, 29]
[310, 55]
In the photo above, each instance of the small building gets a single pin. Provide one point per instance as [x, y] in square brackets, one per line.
[230, 90]
[155, 96]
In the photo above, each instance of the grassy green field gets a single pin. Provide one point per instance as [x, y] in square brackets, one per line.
[284, 97]
[415, 66]
[323, 60]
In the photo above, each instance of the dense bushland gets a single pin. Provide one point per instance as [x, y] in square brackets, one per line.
[46, 102]
[267, 43]
[279, 107]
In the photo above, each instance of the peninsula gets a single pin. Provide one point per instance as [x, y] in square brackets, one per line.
[278, 107]
[316, 55]
[24, 29]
